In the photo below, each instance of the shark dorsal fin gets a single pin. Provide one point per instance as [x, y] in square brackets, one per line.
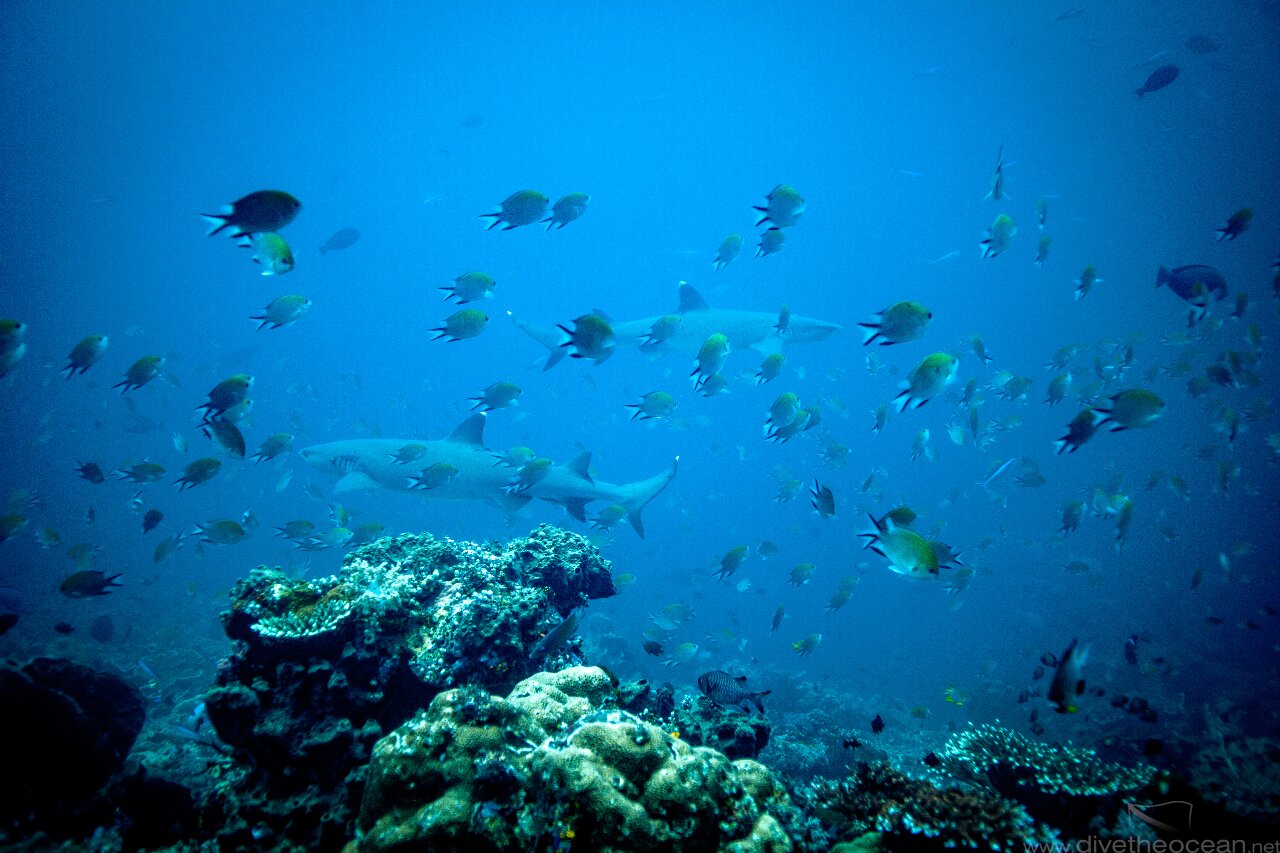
[691, 300]
[581, 465]
[470, 431]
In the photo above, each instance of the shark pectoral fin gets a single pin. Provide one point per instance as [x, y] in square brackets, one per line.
[355, 481]
[581, 465]
[511, 503]
[576, 507]
[768, 345]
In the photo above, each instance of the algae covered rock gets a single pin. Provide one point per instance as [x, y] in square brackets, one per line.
[477, 772]
[322, 668]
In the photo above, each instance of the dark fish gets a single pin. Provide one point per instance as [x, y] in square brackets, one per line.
[851, 743]
[1131, 650]
[87, 584]
[343, 239]
[725, 689]
[265, 210]
[1152, 748]
[877, 725]
[91, 471]
[64, 628]
[226, 436]
[557, 636]
[777, 620]
[1161, 77]
[1202, 44]
[102, 629]
[152, 520]
[652, 648]
[1195, 281]
[1068, 681]
[1048, 659]
[1037, 673]
[932, 760]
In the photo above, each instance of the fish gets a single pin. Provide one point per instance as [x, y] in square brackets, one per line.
[152, 520]
[13, 347]
[877, 724]
[996, 473]
[1158, 79]
[523, 207]
[499, 395]
[261, 211]
[270, 251]
[698, 321]
[654, 405]
[728, 252]
[927, 379]
[783, 207]
[591, 338]
[283, 311]
[470, 287]
[998, 236]
[226, 436]
[90, 471]
[823, 500]
[1237, 224]
[461, 325]
[568, 209]
[369, 464]
[777, 620]
[997, 192]
[805, 647]
[771, 242]
[343, 238]
[900, 323]
[1068, 681]
[725, 689]
[557, 636]
[88, 583]
[141, 372]
[86, 354]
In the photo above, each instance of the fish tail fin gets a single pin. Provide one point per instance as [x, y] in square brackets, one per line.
[1162, 276]
[756, 697]
[216, 223]
[549, 338]
[638, 495]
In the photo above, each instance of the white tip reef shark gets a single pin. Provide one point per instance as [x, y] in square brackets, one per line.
[369, 463]
[759, 330]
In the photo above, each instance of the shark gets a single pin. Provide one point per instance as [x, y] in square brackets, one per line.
[369, 463]
[759, 330]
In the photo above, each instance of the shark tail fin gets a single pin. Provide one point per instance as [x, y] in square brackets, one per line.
[639, 493]
[551, 338]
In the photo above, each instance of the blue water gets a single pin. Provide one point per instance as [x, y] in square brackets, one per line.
[123, 122]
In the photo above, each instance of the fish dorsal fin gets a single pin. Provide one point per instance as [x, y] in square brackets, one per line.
[741, 679]
[581, 465]
[691, 300]
[602, 315]
[470, 431]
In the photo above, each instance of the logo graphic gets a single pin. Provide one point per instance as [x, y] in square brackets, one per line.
[1173, 816]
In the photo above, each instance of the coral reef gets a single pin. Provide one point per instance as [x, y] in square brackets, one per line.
[65, 730]
[701, 722]
[1242, 775]
[1066, 786]
[878, 807]
[322, 668]
[548, 768]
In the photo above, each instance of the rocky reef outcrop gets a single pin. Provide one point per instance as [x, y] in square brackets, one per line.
[552, 766]
[65, 731]
[321, 669]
